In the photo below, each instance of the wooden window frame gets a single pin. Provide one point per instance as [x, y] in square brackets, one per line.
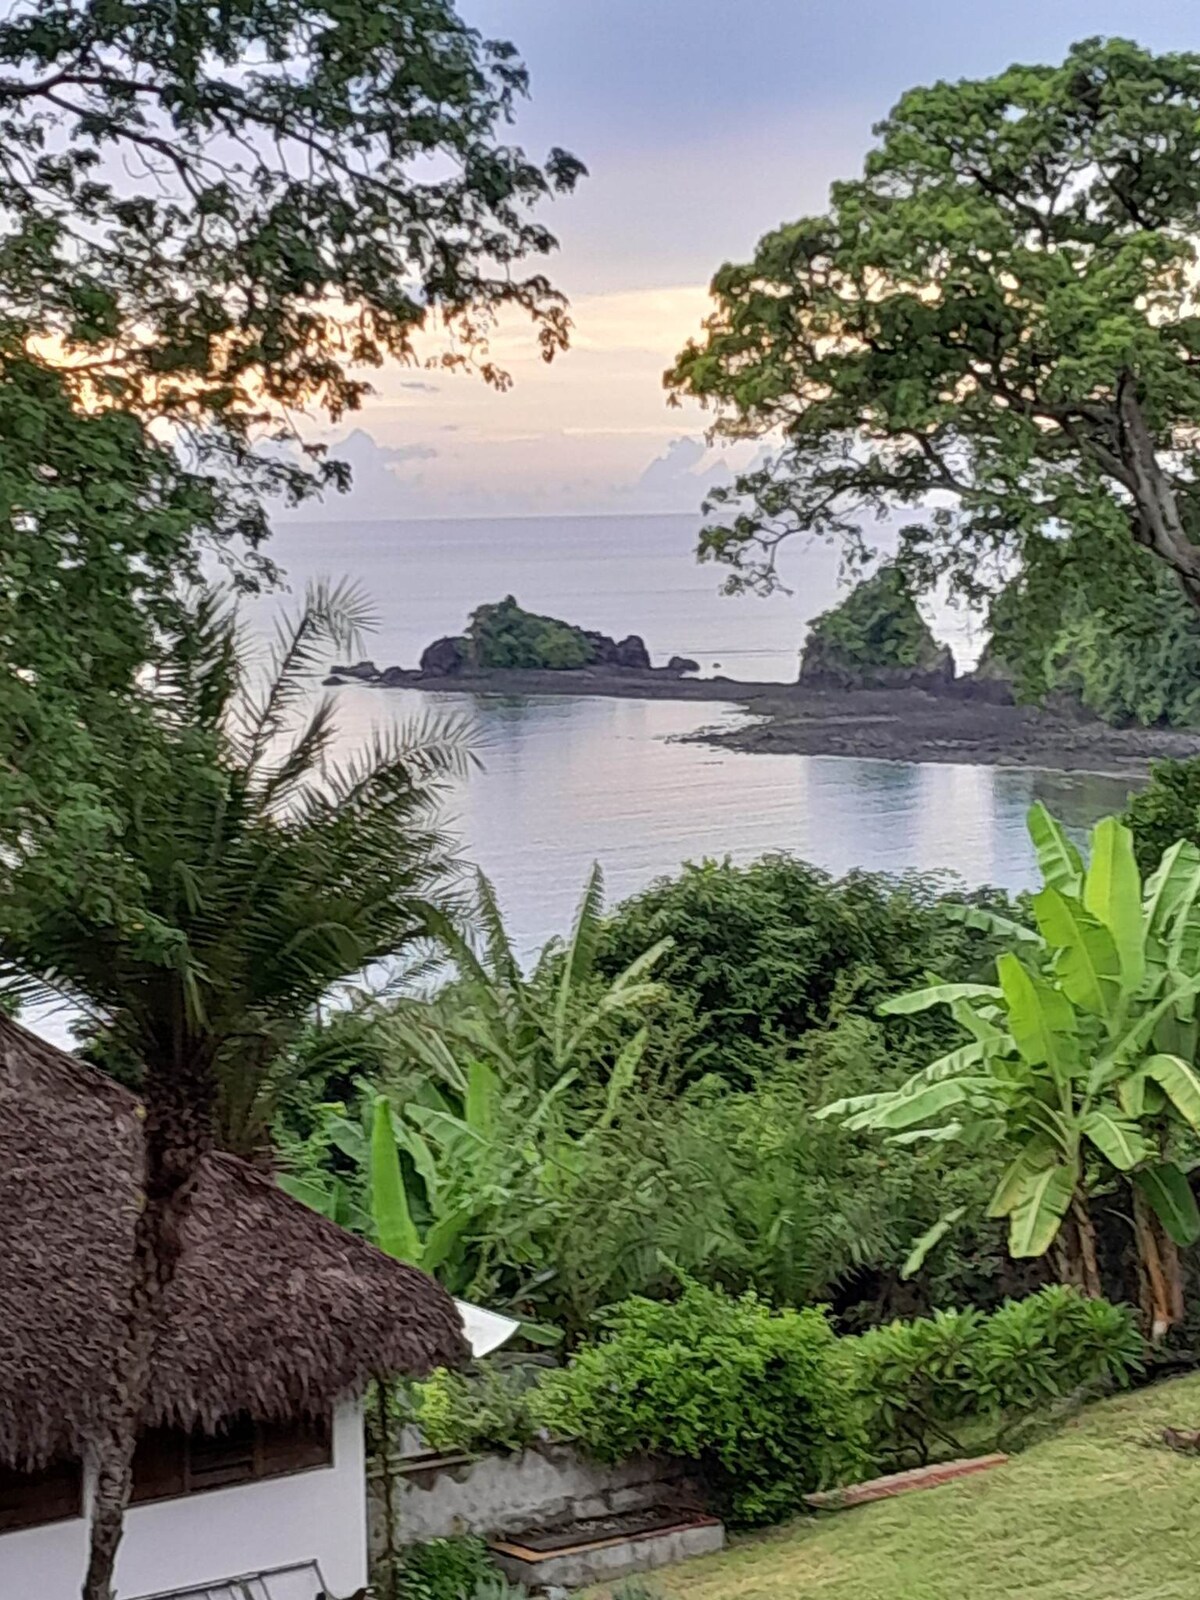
[176, 1465]
[55, 1494]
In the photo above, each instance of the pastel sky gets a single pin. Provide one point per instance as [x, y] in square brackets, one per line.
[703, 124]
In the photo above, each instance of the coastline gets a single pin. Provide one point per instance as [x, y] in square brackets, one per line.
[902, 724]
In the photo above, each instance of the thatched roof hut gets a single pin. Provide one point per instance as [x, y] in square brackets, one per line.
[273, 1311]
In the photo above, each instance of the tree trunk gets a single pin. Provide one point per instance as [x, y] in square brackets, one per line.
[1160, 1277]
[1158, 524]
[1075, 1251]
[1089, 1271]
[179, 1104]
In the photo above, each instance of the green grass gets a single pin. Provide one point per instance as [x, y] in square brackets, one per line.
[1101, 1511]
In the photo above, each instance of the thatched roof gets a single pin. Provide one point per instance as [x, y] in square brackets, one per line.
[273, 1310]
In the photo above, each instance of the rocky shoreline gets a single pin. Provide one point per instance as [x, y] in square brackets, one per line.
[960, 722]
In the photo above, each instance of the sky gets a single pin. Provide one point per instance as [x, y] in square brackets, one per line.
[703, 124]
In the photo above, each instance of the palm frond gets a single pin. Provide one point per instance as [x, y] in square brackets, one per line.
[304, 756]
[505, 968]
[420, 758]
[333, 618]
[580, 952]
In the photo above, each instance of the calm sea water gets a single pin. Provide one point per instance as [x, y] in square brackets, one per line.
[565, 782]
[568, 781]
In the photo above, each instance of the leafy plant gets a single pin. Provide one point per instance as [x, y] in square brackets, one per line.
[811, 950]
[537, 1029]
[444, 1569]
[993, 323]
[940, 1383]
[1080, 1057]
[502, 635]
[755, 1397]
[489, 1409]
[1165, 811]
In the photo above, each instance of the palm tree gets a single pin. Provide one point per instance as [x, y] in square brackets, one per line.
[265, 872]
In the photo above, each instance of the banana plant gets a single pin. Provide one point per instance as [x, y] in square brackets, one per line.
[1081, 1057]
[532, 1028]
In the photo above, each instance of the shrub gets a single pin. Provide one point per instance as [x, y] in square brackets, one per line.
[757, 1399]
[810, 948]
[444, 1569]
[490, 1410]
[1167, 809]
[919, 1382]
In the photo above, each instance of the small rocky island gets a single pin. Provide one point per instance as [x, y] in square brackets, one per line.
[504, 638]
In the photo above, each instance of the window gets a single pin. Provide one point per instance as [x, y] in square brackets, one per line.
[29, 1499]
[170, 1463]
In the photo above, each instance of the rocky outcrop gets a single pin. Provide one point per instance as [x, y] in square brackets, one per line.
[608, 652]
[876, 639]
[992, 680]
[632, 652]
[364, 671]
[444, 657]
[505, 638]
[682, 664]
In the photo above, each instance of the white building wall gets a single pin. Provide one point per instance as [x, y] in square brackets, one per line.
[316, 1515]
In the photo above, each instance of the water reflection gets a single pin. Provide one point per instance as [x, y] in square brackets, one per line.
[567, 781]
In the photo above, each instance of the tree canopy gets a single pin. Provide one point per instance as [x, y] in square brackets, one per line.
[996, 322]
[222, 213]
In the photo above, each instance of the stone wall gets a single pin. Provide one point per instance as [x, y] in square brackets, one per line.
[438, 1496]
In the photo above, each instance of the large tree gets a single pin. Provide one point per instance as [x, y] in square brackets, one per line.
[996, 322]
[218, 214]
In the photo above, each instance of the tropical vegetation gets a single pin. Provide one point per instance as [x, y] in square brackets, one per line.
[1079, 1060]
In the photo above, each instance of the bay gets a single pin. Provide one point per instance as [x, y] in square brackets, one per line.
[565, 781]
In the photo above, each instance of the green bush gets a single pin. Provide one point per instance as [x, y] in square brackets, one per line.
[503, 635]
[756, 1398]
[920, 1383]
[444, 1569]
[486, 1411]
[1167, 809]
[1112, 631]
[810, 948]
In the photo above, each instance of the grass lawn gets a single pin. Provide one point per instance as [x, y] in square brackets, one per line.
[1098, 1512]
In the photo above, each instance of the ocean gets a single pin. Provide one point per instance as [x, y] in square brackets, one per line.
[566, 781]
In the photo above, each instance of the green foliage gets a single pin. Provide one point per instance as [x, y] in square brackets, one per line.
[175, 173]
[466, 1163]
[489, 1409]
[810, 949]
[757, 1398]
[258, 872]
[877, 625]
[1167, 809]
[1128, 651]
[1081, 1059]
[502, 635]
[746, 1189]
[444, 1569]
[497, 1587]
[932, 1384]
[994, 323]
